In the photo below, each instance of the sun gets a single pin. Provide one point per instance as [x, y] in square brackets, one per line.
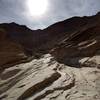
[37, 7]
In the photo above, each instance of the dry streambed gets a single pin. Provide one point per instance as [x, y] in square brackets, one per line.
[46, 79]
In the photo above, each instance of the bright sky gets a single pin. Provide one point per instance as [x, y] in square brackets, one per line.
[42, 13]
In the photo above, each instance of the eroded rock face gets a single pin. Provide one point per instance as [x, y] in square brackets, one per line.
[10, 52]
[85, 42]
[46, 79]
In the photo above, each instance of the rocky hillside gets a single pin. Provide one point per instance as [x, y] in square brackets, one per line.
[64, 65]
[10, 52]
[83, 42]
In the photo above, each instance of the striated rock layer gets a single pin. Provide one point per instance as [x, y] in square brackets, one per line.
[10, 52]
[46, 79]
[61, 62]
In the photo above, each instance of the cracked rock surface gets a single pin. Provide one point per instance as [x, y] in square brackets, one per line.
[46, 79]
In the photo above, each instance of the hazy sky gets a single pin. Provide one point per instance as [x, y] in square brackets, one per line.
[16, 11]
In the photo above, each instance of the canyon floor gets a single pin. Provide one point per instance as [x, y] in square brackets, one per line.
[61, 62]
[46, 79]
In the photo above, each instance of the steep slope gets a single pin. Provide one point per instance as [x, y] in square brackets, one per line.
[10, 52]
[44, 40]
[85, 42]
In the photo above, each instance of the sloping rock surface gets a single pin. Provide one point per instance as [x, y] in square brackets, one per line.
[10, 52]
[46, 79]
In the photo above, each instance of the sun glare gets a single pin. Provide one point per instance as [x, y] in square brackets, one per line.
[37, 7]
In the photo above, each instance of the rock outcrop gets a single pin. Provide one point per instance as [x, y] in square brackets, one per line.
[83, 42]
[46, 79]
[61, 62]
[10, 52]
